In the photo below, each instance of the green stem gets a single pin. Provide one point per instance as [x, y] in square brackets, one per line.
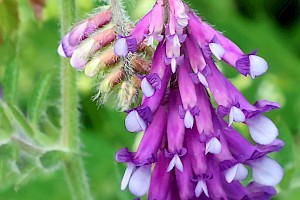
[73, 165]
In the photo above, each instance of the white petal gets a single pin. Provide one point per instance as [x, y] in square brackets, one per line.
[266, 171]
[121, 48]
[217, 49]
[188, 120]
[183, 22]
[176, 41]
[201, 187]
[173, 65]
[213, 146]
[178, 163]
[258, 66]
[134, 122]
[237, 172]
[150, 40]
[262, 129]
[81, 54]
[236, 115]
[140, 181]
[147, 88]
[202, 79]
[61, 51]
[129, 170]
[171, 164]
[230, 117]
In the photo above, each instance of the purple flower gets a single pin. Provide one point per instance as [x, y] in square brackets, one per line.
[196, 154]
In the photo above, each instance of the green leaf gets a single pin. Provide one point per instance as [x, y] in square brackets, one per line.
[23, 180]
[52, 158]
[5, 125]
[39, 97]
[19, 119]
[8, 152]
[11, 81]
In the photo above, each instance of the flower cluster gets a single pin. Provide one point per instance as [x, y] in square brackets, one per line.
[188, 150]
[90, 47]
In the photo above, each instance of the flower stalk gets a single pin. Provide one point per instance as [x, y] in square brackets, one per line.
[74, 170]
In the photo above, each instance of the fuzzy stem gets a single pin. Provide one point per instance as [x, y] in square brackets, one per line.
[122, 23]
[73, 165]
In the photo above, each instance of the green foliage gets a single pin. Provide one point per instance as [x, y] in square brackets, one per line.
[11, 81]
[37, 104]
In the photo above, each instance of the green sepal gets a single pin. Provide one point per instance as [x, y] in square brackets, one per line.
[19, 119]
[37, 103]
[52, 159]
[10, 81]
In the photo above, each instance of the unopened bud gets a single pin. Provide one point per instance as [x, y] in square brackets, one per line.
[141, 65]
[112, 79]
[98, 21]
[102, 61]
[136, 81]
[127, 96]
[104, 37]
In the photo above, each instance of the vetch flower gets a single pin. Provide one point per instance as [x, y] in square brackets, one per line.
[188, 149]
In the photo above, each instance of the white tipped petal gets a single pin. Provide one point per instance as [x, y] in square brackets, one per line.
[171, 164]
[262, 129]
[202, 79]
[129, 170]
[236, 115]
[121, 48]
[183, 22]
[173, 65]
[188, 120]
[134, 122]
[217, 49]
[213, 146]
[230, 121]
[266, 171]
[61, 51]
[178, 163]
[201, 187]
[258, 66]
[237, 172]
[81, 54]
[176, 41]
[150, 40]
[147, 88]
[140, 181]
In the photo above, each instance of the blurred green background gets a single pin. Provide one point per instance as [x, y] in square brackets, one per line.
[272, 26]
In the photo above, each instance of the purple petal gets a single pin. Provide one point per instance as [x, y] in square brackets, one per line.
[124, 156]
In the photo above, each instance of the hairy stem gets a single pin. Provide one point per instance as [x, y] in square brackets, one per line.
[73, 165]
[122, 23]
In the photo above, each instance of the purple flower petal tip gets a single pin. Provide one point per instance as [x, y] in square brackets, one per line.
[121, 47]
[124, 156]
[61, 51]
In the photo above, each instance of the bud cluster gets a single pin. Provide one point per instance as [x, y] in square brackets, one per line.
[90, 47]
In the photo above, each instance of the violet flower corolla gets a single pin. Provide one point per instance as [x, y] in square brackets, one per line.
[188, 150]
